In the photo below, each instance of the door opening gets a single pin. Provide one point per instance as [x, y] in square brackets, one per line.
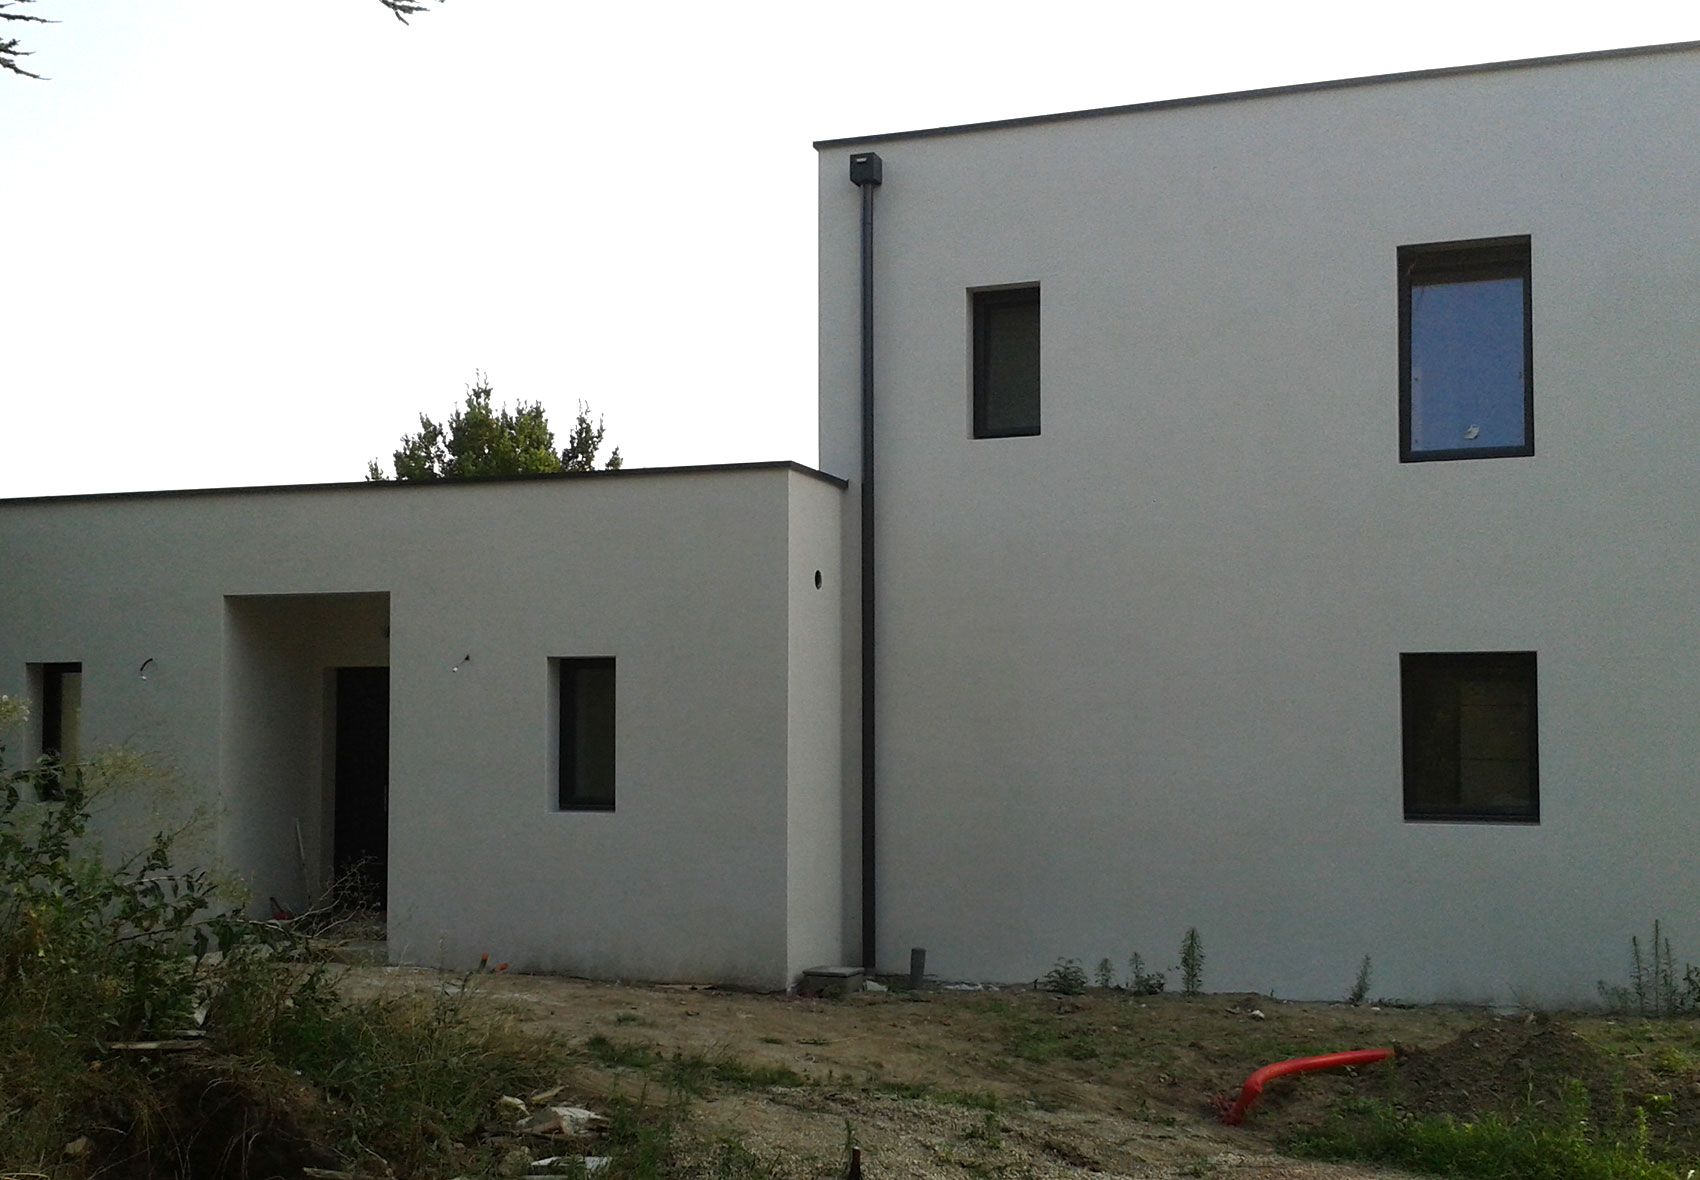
[360, 853]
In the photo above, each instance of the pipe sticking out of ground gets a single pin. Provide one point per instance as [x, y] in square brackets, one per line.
[1232, 1115]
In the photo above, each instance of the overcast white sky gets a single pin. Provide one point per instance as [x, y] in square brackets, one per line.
[248, 241]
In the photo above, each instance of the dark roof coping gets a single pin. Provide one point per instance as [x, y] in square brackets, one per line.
[1167, 104]
[269, 489]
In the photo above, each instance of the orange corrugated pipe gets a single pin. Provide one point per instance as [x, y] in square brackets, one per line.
[1255, 1083]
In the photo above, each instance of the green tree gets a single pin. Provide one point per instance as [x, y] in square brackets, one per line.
[482, 439]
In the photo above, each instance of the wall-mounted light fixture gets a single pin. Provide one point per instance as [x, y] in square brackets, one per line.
[146, 664]
[464, 661]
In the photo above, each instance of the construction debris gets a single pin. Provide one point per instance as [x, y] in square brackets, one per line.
[560, 1120]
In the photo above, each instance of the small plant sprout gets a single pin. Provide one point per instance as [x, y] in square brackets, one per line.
[1360, 985]
[1106, 974]
[1192, 962]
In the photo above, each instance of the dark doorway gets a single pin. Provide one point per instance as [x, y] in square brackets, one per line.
[360, 858]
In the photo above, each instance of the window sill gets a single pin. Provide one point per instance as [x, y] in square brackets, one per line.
[1472, 453]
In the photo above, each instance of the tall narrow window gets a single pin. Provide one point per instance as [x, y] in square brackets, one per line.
[1466, 351]
[1006, 362]
[587, 735]
[1469, 736]
[61, 723]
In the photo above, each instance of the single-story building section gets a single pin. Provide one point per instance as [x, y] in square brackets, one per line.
[585, 723]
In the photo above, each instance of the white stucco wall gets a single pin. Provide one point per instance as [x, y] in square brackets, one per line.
[685, 578]
[814, 809]
[1141, 672]
[276, 732]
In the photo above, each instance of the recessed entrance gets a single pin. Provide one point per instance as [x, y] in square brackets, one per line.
[304, 759]
[361, 786]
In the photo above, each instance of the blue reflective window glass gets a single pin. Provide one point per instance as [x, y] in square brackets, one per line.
[1466, 389]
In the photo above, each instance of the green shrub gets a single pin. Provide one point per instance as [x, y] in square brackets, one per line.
[118, 946]
[1067, 978]
[1360, 985]
[1142, 982]
[94, 953]
[1493, 1147]
[1192, 962]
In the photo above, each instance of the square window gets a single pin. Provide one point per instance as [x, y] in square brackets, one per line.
[1006, 362]
[1470, 736]
[586, 735]
[1466, 353]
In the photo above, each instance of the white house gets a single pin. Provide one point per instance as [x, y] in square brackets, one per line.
[1284, 525]
[679, 629]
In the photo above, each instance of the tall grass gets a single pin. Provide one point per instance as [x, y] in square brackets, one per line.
[100, 955]
[1494, 1147]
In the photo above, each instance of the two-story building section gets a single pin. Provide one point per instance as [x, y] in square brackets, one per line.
[1285, 526]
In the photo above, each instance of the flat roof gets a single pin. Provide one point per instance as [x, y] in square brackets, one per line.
[1268, 92]
[549, 477]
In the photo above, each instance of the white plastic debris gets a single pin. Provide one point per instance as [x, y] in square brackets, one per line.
[873, 985]
[560, 1120]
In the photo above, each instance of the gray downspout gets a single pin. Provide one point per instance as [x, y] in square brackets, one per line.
[865, 173]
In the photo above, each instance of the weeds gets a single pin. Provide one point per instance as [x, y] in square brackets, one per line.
[1142, 982]
[1654, 990]
[1360, 985]
[1040, 1036]
[626, 1054]
[986, 1130]
[690, 1073]
[1192, 962]
[1105, 976]
[97, 953]
[1493, 1147]
[113, 949]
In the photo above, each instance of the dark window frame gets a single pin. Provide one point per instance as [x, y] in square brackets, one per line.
[1417, 671]
[983, 302]
[569, 791]
[52, 786]
[1451, 262]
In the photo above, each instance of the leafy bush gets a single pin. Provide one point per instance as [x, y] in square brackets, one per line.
[91, 953]
[1142, 982]
[1067, 978]
[95, 954]
[112, 951]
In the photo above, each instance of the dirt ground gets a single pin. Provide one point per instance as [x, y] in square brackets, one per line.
[1008, 1083]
